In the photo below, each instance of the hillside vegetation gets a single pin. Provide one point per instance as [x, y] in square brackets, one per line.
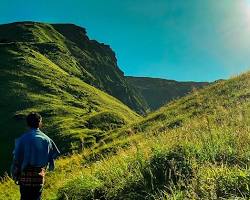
[197, 147]
[157, 92]
[39, 73]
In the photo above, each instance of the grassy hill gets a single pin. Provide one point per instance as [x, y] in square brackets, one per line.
[39, 73]
[68, 46]
[196, 147]
[157, 92]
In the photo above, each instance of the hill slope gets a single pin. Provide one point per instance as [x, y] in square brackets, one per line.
[39, 73]
[222, 96]
[68, 46]
[196, 147]
[157, 92]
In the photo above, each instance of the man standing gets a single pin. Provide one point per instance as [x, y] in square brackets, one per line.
[34, 152]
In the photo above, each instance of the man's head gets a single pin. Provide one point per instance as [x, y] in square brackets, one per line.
[34, 120]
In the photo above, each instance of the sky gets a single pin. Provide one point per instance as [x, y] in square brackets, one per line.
[198, 40]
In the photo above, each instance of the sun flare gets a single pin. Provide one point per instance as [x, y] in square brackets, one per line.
[246, 9]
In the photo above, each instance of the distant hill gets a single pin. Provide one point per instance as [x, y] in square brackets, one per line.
[44, 70]
[158, 92]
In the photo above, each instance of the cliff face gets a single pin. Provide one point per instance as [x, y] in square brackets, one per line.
[93, 62]
[103, 66]
[157, 92]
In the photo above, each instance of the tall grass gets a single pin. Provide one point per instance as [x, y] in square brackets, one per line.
[207, 156]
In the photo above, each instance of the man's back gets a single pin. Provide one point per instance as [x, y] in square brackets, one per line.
[35, 149]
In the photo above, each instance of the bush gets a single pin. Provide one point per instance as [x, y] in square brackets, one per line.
[167, 169]
[83, 188]
[106, 121]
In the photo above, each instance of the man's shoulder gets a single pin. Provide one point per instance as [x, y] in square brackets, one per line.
[30, 134]
[43, 135]
[25, 135]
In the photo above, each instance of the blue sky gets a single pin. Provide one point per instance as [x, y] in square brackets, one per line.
[200, 40]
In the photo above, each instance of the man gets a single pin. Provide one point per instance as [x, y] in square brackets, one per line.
[33, 152]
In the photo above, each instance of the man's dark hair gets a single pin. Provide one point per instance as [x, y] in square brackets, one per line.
[33, 120]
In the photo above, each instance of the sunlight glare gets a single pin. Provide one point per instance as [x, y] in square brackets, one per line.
[247, 9]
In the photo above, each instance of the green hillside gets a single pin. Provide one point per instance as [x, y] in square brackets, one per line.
[39, 73]
[157, 92]
[68, 46]
[196, 147]
[212, 101]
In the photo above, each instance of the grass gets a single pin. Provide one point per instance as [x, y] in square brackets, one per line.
[206, 156]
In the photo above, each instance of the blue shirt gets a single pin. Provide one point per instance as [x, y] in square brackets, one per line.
[35, 149]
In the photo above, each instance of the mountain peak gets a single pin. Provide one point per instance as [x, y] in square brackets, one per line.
[70, 26]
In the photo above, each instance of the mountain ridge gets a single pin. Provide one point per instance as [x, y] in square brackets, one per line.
[157, 91]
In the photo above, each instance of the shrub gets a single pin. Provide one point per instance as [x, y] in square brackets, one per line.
[82, 188]
[166, 169]
[106, 121]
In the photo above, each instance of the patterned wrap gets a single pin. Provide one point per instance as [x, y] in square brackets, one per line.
[32, 176]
